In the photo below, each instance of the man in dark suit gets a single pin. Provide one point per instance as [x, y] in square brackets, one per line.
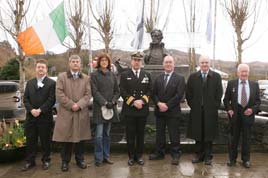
[135, 88]
[241, 101]
[168, 91]
[203, 94]
[39, 98]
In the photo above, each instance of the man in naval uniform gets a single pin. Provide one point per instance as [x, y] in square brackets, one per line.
[135, 88]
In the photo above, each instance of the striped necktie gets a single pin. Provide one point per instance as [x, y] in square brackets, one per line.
[243, 101]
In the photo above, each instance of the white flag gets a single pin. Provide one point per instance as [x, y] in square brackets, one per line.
[138, 40]
[209, 23]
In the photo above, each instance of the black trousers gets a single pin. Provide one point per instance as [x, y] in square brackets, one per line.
[203, 146]
[67, 149]
[172, 124]
[204, 149]
[240, 126]
[135, 136]
[35, 129]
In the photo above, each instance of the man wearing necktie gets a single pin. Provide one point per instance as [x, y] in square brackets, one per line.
[203, 94]
[168, 92]
[241, 101]
[72, 126]
[135, 89]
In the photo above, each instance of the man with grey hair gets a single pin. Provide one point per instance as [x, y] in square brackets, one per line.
[72, 125]
[203, 94]
[241, 101]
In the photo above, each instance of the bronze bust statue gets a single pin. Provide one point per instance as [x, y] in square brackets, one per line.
[156, 52]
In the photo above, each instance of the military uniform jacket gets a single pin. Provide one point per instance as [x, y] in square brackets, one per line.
[133, 88]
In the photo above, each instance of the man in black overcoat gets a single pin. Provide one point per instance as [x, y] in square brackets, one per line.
[241, 101]
[167, 94]
[135, 89]
[203, 94]
[39, 98]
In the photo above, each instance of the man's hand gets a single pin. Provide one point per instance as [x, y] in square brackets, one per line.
[35, 112]
[248, 112]
[162, 106]
[231, 113]
[138, 104]
[75, 107]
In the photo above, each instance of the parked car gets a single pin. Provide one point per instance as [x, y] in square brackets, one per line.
[10, 101]
[264, 101]
[263, 84]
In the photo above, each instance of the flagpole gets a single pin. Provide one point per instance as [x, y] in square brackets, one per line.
[214, 33]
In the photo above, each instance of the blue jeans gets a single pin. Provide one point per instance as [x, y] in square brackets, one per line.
[102, 142]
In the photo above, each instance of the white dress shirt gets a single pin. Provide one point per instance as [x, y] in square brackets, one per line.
[169, 75]
[138, 72]
[40, 81]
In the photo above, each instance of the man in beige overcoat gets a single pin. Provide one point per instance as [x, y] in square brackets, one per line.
[72, 125]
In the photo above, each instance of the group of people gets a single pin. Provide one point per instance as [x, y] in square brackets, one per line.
[73, 90]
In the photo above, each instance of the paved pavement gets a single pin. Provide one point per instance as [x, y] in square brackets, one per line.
[151, 169]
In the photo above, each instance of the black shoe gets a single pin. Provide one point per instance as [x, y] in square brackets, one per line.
[130, 162]
[64, 167]
[28, 166]
[140, 161]
[98, 164]
[156, 156]
[208, 161]
[246, 164]
[81, 164]
[108, 161]
[231, 163]
[175, 161]
[45, 165]
[198, 159]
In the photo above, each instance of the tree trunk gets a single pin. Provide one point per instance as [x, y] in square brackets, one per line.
[21, 60]
[191, 58]
[239, 48]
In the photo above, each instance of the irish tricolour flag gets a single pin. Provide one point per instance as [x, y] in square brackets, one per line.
[46, 34]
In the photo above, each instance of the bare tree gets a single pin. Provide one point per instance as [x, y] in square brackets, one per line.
[77, 25]
[152, 19]
[243, 15]
[15, 12]
[104, 21]
[190, 20]
[150, 22]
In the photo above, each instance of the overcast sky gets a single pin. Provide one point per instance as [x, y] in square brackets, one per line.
[175, 34]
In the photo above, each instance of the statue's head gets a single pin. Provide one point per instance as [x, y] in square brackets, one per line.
[156, 36]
